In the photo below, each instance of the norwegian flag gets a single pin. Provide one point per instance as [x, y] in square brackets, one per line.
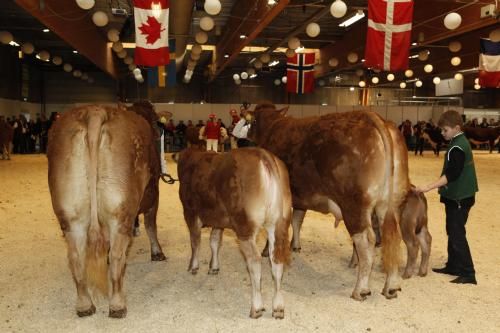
[489, 64]
[389, 34]
[151, 32]
[300, 73]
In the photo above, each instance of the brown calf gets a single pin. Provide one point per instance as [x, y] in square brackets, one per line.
[244, 190]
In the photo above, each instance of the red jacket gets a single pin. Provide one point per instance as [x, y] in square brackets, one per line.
[212, 130]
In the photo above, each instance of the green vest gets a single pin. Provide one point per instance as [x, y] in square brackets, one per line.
[465, 186]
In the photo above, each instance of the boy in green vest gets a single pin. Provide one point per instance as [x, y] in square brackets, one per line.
[457, 187]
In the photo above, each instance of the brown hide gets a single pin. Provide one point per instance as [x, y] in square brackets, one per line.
[478, 135]
[103, 171]
[193, 137]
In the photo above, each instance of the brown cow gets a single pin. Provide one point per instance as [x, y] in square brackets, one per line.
[244, 190]
[6, 136]
[415, 234]
[479, 135]
[346, 161]
[104, 170]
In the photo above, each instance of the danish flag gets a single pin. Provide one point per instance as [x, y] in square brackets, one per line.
[389, 34]
[300, 73]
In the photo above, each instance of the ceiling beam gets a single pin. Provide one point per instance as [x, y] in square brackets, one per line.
[70, 23]
[256, 16]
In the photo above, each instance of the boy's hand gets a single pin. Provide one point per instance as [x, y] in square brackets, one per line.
[419, 189]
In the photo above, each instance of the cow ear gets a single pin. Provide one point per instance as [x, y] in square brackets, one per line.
[284, 111]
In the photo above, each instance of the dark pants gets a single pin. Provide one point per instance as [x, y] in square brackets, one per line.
[419, 145]
[459, 257]
[244, 143]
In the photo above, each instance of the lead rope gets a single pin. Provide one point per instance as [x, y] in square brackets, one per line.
[168, 178]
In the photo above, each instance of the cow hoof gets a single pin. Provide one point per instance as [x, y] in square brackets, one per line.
[279, 313]
[121, 313]
[158, 257]
[365, 293]
[296, 249]
[391, 293]
[406, 275]
[193, 271]
[422, 274]
[256, 313]
[86, 313]
[358, 297]
[214, 271]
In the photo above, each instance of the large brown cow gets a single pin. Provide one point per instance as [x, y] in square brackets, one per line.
[103, 170]
[479, 135]
[244, 190]
[6, 136]
[346, 162]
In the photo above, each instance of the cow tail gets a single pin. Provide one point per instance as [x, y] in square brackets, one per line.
[281, 252]
[97, 246]
[391, 236]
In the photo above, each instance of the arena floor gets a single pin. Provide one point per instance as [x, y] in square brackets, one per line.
[37, 293]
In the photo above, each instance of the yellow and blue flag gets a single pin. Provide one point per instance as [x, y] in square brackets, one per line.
[162, 75]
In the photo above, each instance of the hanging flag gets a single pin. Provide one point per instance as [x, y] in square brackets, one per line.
[300, 73]
[389, 34]
[162, 75]
[151, 32]
[489, 64]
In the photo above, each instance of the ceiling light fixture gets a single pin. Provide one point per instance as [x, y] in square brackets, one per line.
[253, 76]
[274, 63]
[226, 55]
[13, 43]
[75, 51]
[271, 2]
[45, 30]
[353, 19]
[242, 36]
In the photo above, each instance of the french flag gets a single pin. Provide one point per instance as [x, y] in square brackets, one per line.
[151, 32]
[489, 64]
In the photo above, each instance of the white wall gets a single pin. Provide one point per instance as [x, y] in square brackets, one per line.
[10, 108]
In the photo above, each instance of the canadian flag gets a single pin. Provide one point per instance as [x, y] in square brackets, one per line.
[151, 32]
[389, 34]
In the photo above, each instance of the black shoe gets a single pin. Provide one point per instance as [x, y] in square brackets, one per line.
[445, 270]
[465, 279]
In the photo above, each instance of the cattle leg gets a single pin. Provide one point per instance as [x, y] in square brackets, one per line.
[253, 260]
[411, 243]
[354, 258]
[277, 270]
[76, 238]
[297, 219]
[151, 229]
[136, 231]
[425, 240]
[365, 248]
[215, 244]
[194, 225]
[117, 259]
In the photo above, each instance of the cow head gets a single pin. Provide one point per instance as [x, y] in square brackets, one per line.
[146, 110]
[263, 116]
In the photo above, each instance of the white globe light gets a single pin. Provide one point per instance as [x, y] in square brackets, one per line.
[212, 7]
[289, 53]
[362, 84]
[390, 77]
[27, 48]
[495, 35]
[408, 73]
[67, 68]
[265, 58]
[122, 54]
[352, 57]
[459, 77]
[293, 43]
[477, 86]
[100, 18]
[236, 77]
[238, 82]
[136, 71]
[277, 82]
[418, 83]
[423, 55]
[117, 46]
[196, 49]
[313, 29]
[333, 62]
[207, 23]
[436, 80]
[375, 80]
[201, 37]
[455, 46]
[284, 79]
[57, 60]
[257, 64]
[452, 21]
[455, 61]
[476, 80]
[244, 75]
[113, 35]
[128, 60]
[428, 68]
[338, 9]
[131, 67]
[77, 73]
[402, 85]
[44, 55]
[85, 4]
[6, 37]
